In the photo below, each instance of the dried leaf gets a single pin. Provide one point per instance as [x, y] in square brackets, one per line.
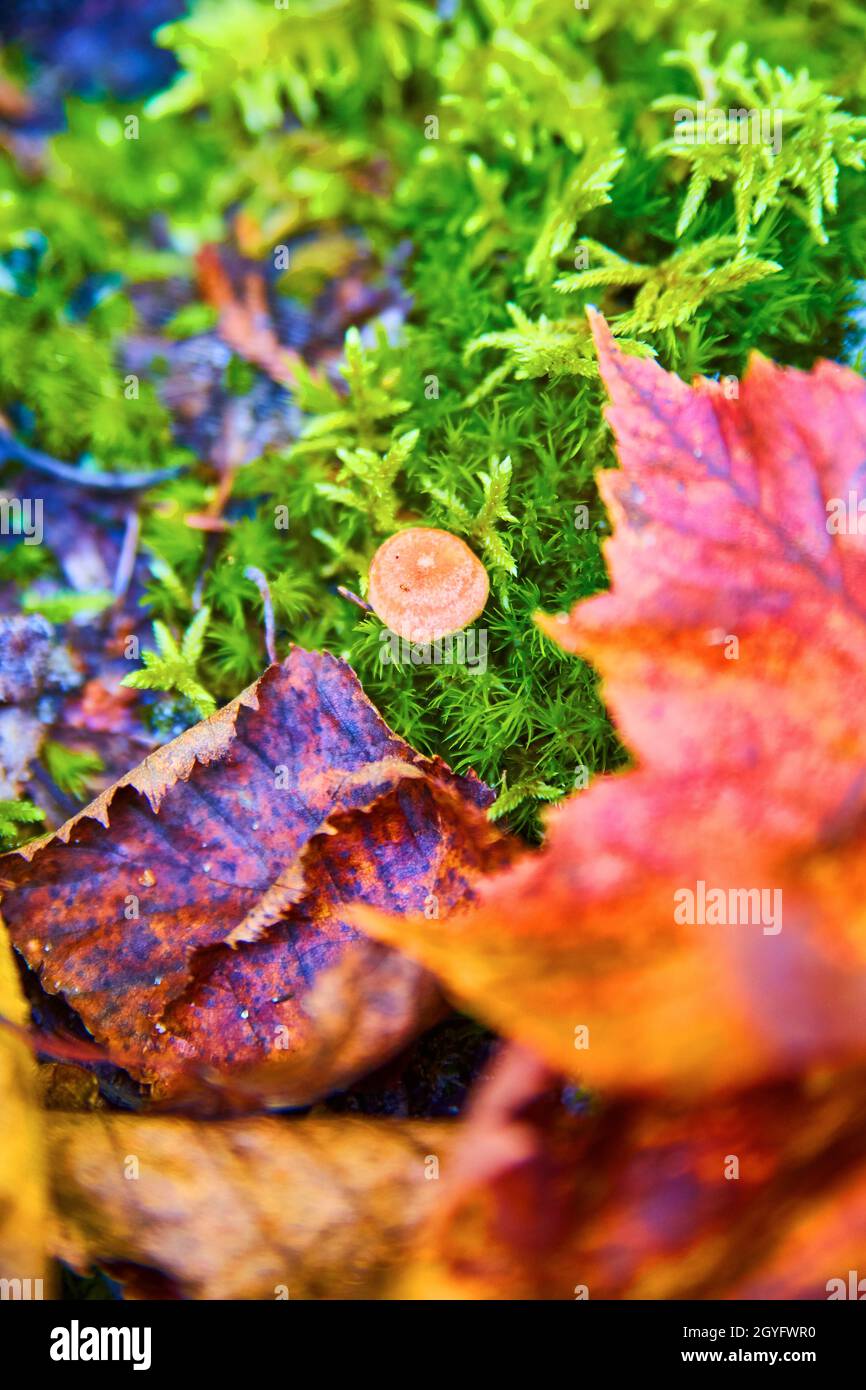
[256, 1209]
[187, 913]
[23, 1184]
[65, 1086]
[244, 322]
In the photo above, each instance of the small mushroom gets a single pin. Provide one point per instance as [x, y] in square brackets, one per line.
[425, 584]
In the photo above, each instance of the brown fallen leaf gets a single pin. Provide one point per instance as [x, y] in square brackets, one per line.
[244, 321]
[65, 1086]
[186, 914]
[266, 1208]
[363, 1008]
[23, 1182]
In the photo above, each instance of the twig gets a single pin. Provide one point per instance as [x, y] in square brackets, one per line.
[263, 587]
[53, 1045]
[13, 449]
[352, 598]
[126, 559]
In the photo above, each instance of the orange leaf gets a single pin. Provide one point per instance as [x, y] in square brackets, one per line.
[698, 923]
[758, 1196]
[733, 635]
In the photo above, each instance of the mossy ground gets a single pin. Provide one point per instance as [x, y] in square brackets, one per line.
[438, 168]
[445, 165]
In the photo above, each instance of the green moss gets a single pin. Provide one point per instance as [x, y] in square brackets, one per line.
[525, 151]
[15, 817]
[71, 769]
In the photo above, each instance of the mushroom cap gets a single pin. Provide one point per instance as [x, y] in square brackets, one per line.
[426, 583]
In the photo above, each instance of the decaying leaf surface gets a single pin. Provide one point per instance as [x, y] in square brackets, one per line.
[733, 647]
[760, 1195]
[187, 913]
[23, 1186]
[244, 320]
[66, 1086]
[255, 1208]
[828, 1236]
